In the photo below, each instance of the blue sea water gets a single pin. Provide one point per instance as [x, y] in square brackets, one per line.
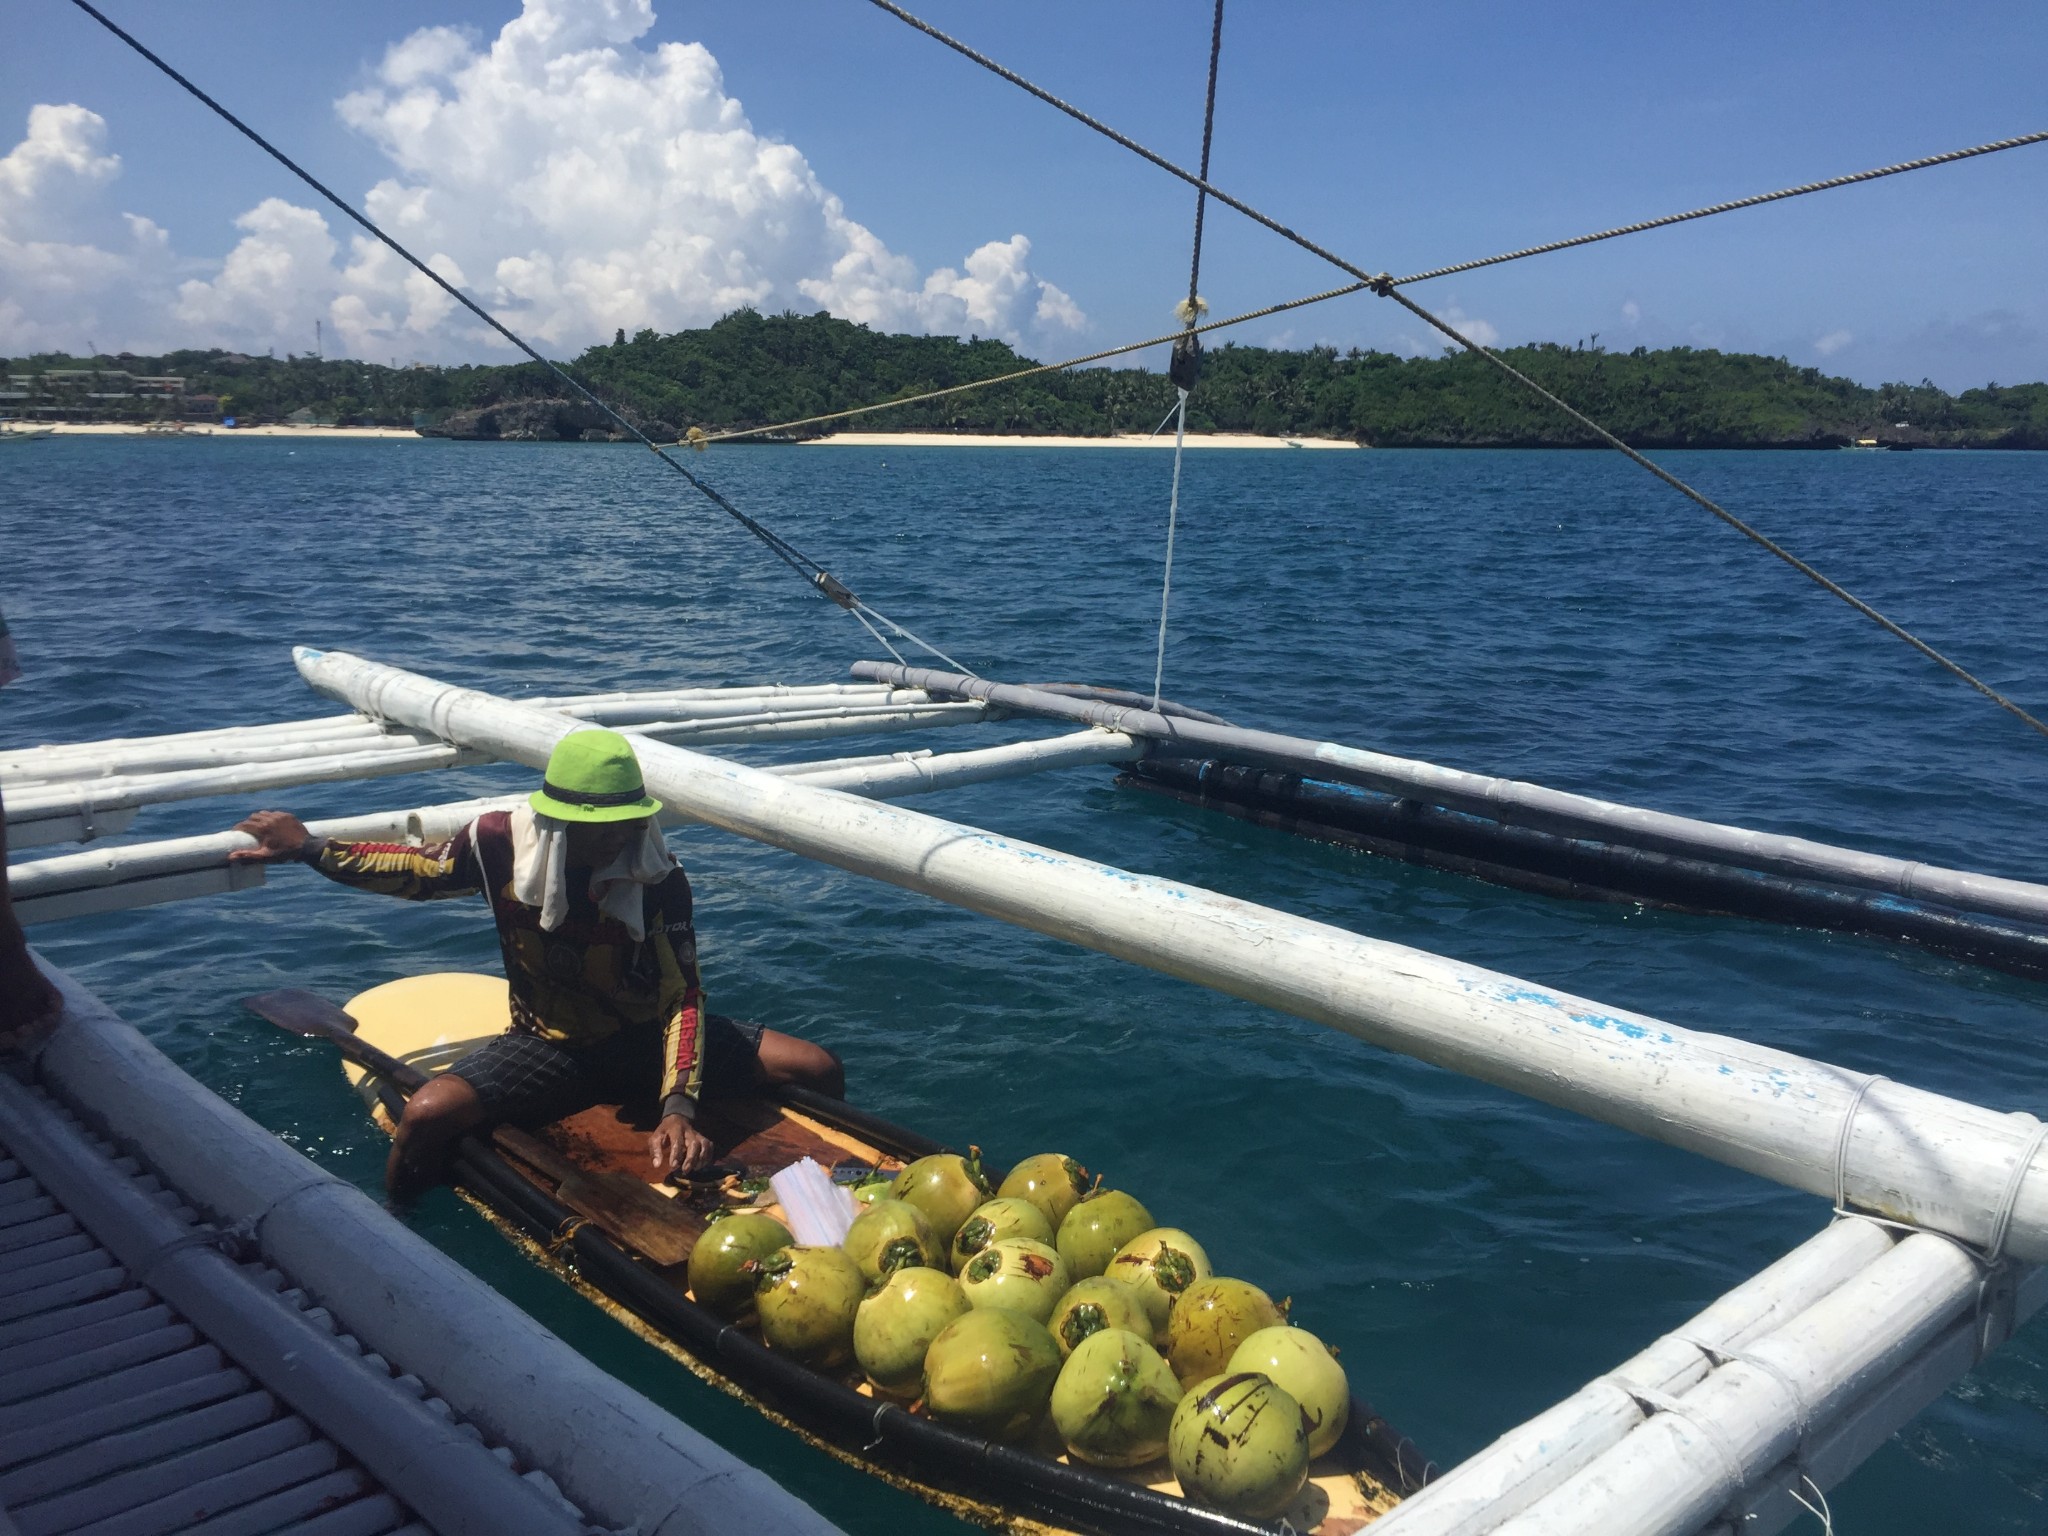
[1558, 617]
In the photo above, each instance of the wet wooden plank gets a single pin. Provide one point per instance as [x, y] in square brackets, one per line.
[758, 1136]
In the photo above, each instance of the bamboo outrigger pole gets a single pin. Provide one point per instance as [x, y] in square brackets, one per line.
[1904, 1153]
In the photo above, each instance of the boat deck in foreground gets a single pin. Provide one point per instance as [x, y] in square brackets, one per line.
[202, 1331]
[150, 1382]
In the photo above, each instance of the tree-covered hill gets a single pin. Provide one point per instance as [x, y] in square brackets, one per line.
[752, 370]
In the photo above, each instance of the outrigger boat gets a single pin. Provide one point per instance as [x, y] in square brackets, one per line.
[574, 1196]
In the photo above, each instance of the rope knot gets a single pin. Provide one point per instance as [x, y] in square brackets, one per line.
[1383, 285]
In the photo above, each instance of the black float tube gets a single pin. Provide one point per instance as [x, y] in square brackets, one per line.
[1550, 864]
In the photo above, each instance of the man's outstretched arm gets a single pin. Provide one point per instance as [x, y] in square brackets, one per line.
[392, 869]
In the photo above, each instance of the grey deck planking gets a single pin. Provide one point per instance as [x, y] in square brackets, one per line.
[76, 1338]
[136, 1447]
[342, 1503]
[88, 1365]
[193, 1467]
[215, 1496]
[49, 1324]
[124, 1413]
[30, 1232]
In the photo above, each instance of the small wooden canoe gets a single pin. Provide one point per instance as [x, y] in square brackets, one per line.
[576, 1195]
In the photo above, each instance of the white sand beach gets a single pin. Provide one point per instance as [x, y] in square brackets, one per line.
[207, 429]
[837, 440]
[1121, 440]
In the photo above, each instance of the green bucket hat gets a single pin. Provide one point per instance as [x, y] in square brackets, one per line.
[593, 776]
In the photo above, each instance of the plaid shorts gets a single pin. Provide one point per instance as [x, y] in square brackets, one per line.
[526, 1080]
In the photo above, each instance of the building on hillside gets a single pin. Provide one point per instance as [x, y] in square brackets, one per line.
[102, 394]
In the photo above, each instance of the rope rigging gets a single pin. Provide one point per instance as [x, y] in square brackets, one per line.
[1388, 287]
[814, 574]
[1663, 221]
[1186, 364]
[1757, 201]
[1716, 508]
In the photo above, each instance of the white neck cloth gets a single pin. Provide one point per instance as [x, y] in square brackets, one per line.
[540, 871]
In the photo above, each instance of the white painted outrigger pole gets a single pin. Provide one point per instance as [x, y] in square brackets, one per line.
[176, 869]
[1908, 1154]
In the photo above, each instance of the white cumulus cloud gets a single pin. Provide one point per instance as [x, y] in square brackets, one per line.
[1430, 343]
[70, 265]
[1833, 342]
[574, 180]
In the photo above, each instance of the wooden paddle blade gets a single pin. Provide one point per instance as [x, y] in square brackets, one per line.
[629, 1210]
[310, 1014]
[301, 1012]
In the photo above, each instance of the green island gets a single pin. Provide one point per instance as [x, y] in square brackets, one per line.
[751, 370]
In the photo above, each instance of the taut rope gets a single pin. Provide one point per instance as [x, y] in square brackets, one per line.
[1388, 287]
[1186, 366]
[820, 580]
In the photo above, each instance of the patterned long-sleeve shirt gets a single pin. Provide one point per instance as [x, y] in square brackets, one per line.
[583, 982]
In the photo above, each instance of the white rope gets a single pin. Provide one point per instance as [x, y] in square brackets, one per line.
[881, 639]
[863, 609]
[1653, 1402]
[1180, 436]
[1842, 1141]
[1824, 1515]
[2009, 1201]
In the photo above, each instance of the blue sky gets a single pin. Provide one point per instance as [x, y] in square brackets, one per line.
[1403, 137]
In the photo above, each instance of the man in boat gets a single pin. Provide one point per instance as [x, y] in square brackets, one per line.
[594, 921]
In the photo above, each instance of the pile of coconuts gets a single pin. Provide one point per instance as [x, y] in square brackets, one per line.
[996, 1308]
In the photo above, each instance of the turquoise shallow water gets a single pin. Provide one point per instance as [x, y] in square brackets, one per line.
[1557, 617]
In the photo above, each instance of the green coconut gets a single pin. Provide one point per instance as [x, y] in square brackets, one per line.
[896, 1323]
[1208, 1322]
[874, 1185]
[946, 1187]
[1016, 1273]
[1050, 1181]
[1114, 1400]
[1298, 1363]
[1239, 1444]
[1159, 1265]
[719, 1278]
[891, 1235]
[807, 1298]
[1092, 1305]
[994, 1220]
[992, 1372]
[1091, 1233]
